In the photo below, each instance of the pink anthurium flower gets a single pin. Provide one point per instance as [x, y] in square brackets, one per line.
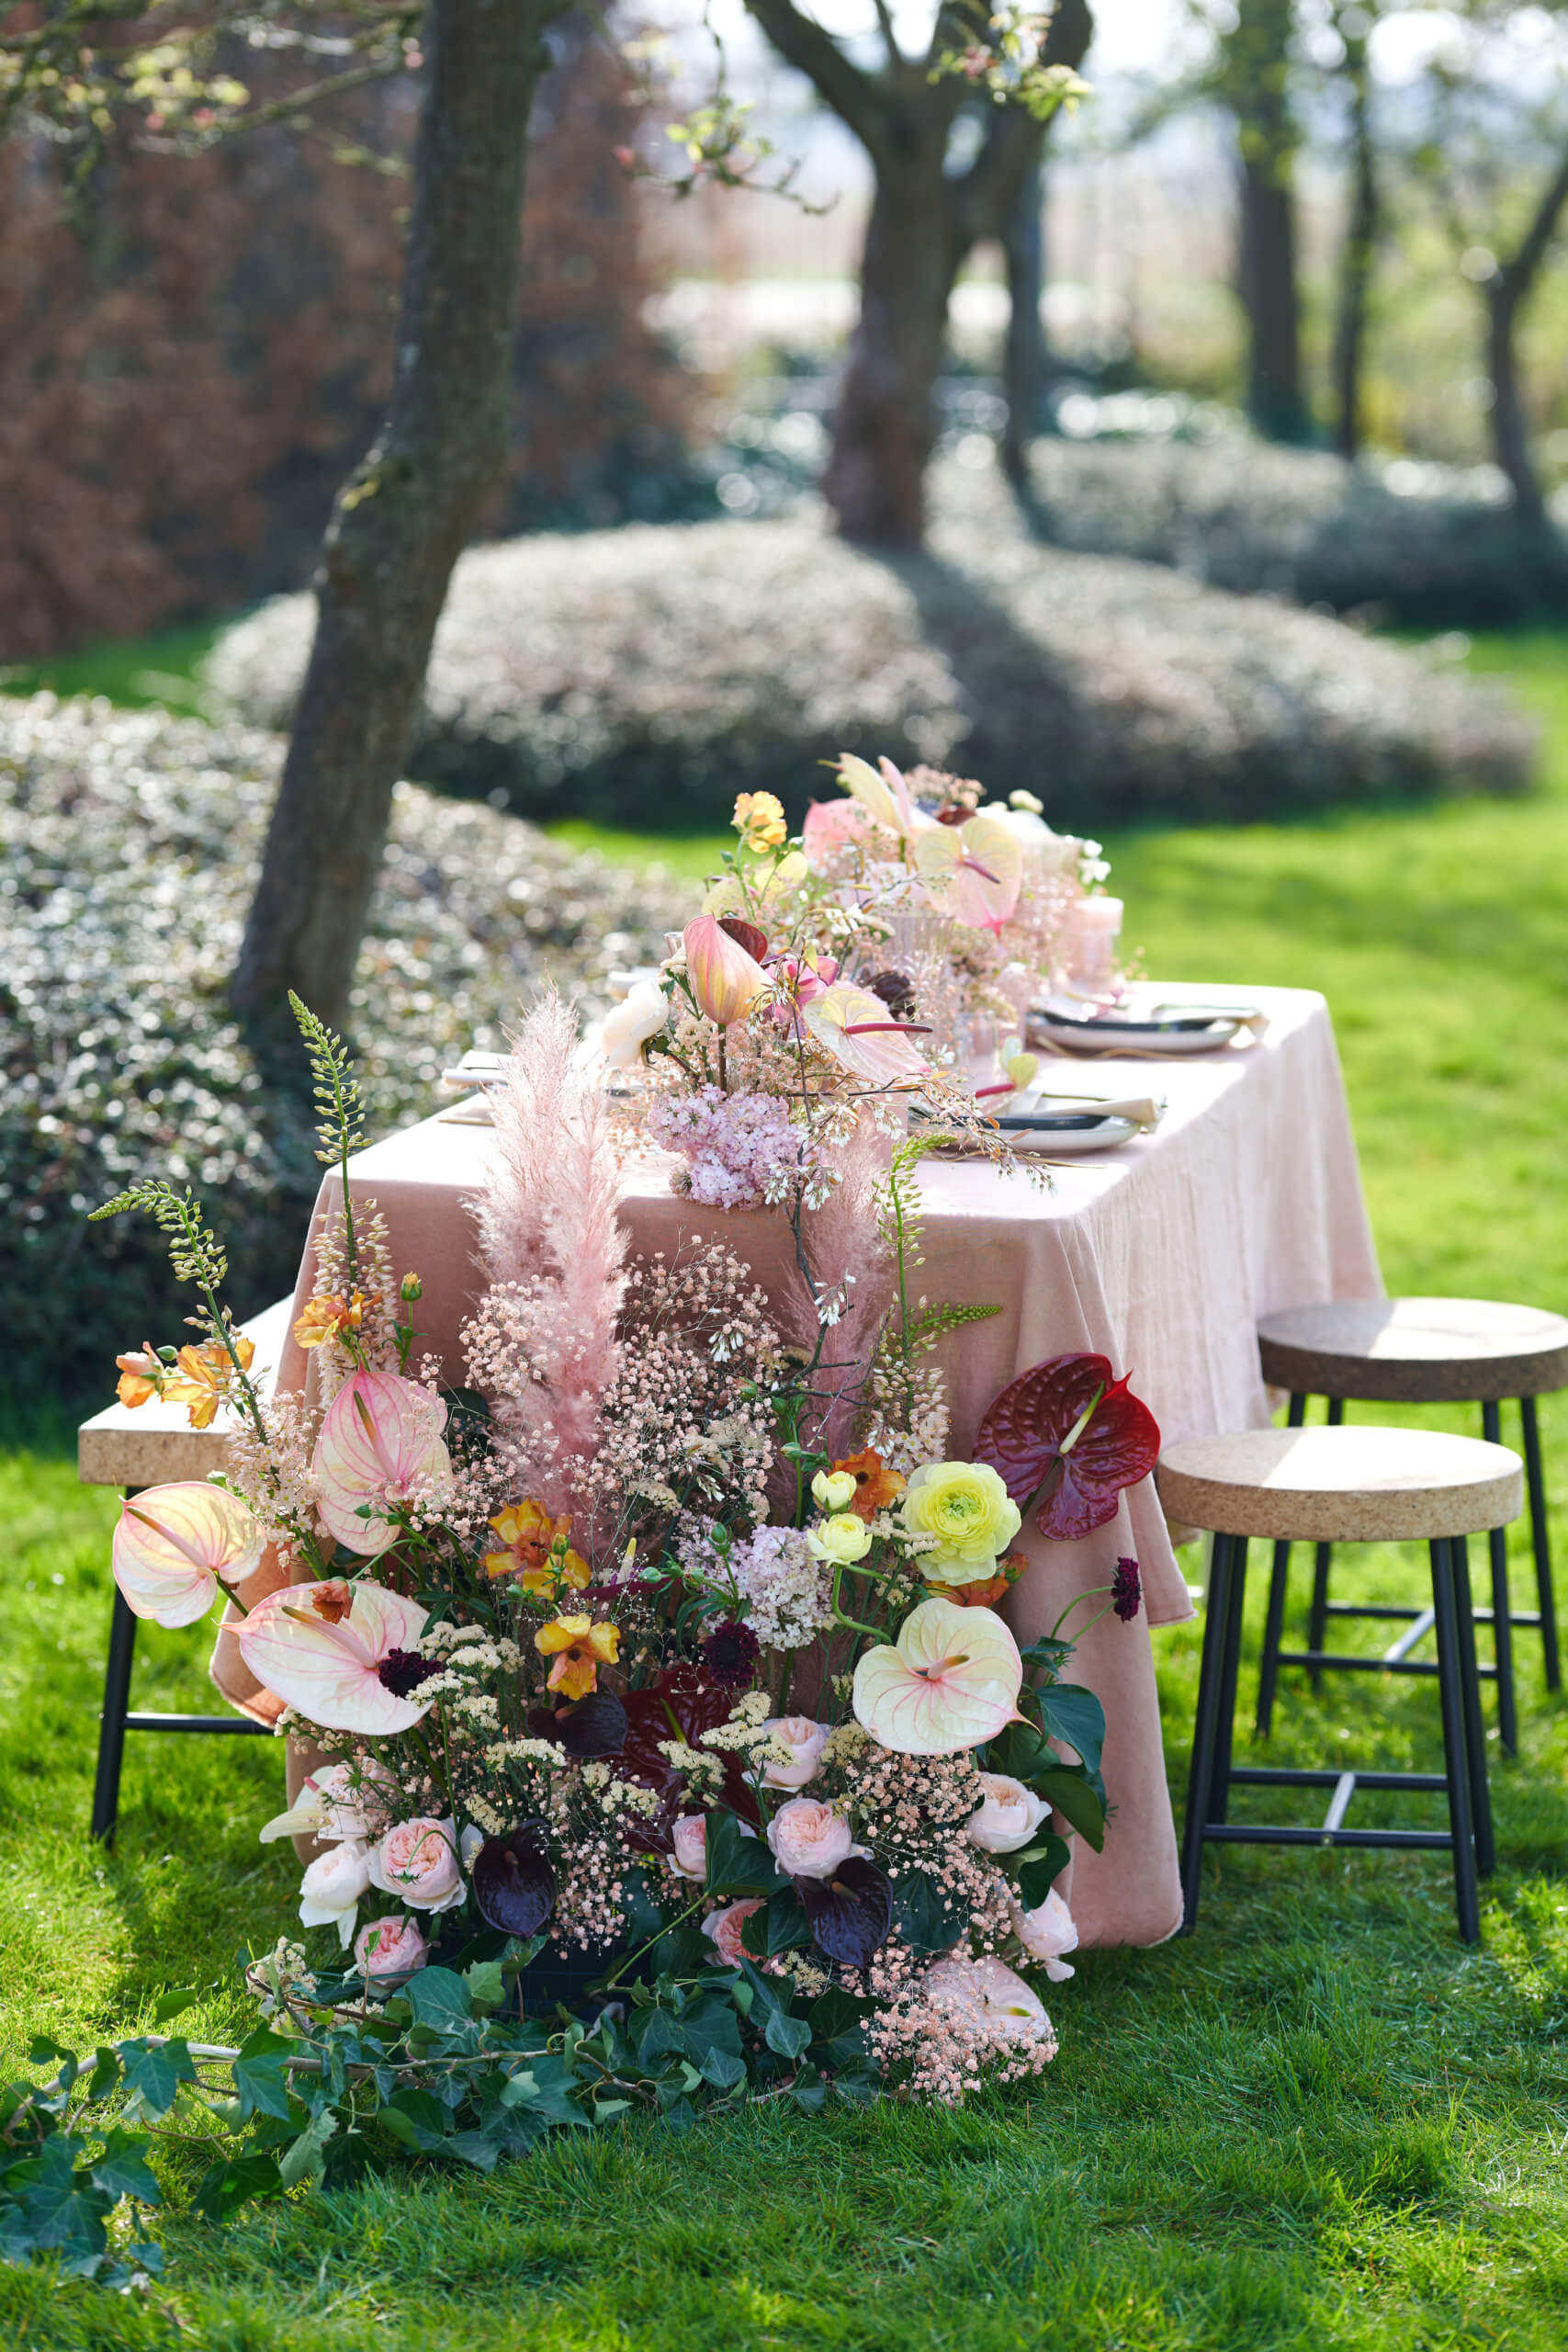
[726, 980]
[951, 1681]
[883, 794]
[341, 1653]
[857, 1029]
[830, 826]
[174, 1542]
[972, 872]
[379, 1444]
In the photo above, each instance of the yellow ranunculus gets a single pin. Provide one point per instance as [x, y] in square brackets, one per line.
[965, 1505]
[834, 1489]
[842, 1539]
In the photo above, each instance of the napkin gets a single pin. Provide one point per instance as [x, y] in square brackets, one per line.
[1143, 1109]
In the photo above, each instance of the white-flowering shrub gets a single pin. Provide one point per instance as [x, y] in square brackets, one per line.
[645, 676]
[129, 843]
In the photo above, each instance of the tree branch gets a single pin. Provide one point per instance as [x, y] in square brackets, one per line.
[1519, 275]
[895, 57]
[984, 198]
[853, 94]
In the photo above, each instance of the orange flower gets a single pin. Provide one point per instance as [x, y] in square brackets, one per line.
[327, 1319]
[760, 820]
[140, 1375]
[537, 1552]
[984, 1596]
[203, 1376]
[579, 1647]
[875, 1484]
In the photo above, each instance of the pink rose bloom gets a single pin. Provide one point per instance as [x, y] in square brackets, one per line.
[805, 1740]
[389, 1948]
[725, 1927]
[987, 1994]
[418, 1861]
[691, 1841]
[808, 1838]
[1045, 1933]
[331, 1887]
[1007, 1817]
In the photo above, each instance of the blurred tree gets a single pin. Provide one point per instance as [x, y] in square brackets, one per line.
[1354, 25]
[1023, 353]
[401, 519]
[1253, 76]
[1005, 75]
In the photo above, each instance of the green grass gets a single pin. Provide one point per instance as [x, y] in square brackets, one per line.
[137, 672]
[1319, 2123]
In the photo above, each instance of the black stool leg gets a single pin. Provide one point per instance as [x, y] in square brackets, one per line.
[111, 1736]
[1541, 1542]
[1318, 1623]
[1502, 1618]
[1474, 1725]
[1269, 1671]
[1230, 1668]
[1455, 1746]
[1199, 1780]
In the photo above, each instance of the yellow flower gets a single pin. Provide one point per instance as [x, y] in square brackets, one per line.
[760, 820]
[965, 1505]
[843, 1539]
[834, 1489]
[202, 1377]
[326, 1318]
[141, 1375]
[579, 1647]
[537, 1552]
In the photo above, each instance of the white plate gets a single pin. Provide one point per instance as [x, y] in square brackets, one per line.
[1113, 1036]
[1058, 1143]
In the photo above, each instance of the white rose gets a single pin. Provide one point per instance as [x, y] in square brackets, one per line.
[641, 1014]
[805, 1740]
[1007, 1817]
[331, 1890]
[809, 1840]
[1045, 1933]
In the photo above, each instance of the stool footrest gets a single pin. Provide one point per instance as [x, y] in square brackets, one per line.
[1234, 1833]
[1481, 1616]
[1282, 1775]
[241, 1725]
[1326, 1662]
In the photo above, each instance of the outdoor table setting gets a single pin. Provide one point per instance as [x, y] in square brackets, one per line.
[706, 1465]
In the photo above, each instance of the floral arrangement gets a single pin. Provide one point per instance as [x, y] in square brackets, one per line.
[663, 1738]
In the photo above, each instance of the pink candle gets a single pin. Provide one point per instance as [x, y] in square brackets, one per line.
[1094, 931]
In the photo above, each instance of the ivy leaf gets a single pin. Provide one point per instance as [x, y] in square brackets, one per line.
[261, 2077]
[233, 2181]
[780, 1925]
[173, 2004]
[925, 1921]
[486, 1981]
[1036, 1436]
[711, 2034]
[738, 1864]
[837, 2028]
[56, 2208]
[307, 2157]
[439, 1999]
[123, 2171]
[849, 1912]
[787, 2035]
[152, 2076]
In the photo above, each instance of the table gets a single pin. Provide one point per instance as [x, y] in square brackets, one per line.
[1161, 1255]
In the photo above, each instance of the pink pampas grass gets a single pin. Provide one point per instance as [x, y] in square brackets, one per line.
[550, 1236]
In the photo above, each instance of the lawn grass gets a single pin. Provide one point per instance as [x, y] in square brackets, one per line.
[1320, 2123]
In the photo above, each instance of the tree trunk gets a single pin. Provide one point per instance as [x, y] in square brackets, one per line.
[885, 430]
[402, 519]
[1356, 256]
[1266, 277]
[1023, 356]
[1507, 291]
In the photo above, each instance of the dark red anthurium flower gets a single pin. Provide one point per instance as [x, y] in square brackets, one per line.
[1065, 1435]
[745, 934]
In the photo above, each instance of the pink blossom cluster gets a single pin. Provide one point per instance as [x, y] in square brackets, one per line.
[739, 1149]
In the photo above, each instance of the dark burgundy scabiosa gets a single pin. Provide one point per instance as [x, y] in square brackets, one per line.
[896, 991]
[730, 1652]
[1126, 1589]
[403, 1671]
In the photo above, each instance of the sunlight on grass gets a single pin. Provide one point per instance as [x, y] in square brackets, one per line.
[1319, 2126]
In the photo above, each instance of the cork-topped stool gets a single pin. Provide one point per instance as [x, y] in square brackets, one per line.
[1419, 1351]
[1341, 1485]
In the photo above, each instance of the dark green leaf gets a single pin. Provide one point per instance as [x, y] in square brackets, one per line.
[57, 2207]
[476, 2148]
[486, 1981]
[838, 2028]
[439, 1999]
[154, 2076]
[44, 2052]
[123, 2171]
[1038, 1870]
[711, 2036]
[780, 1925]
[920, 1911]
[307, 2157]
[172, 2005]
[1074, 1715]
[738, 1864]
[260, 2078]
[232, 2182]
[1077, 1792]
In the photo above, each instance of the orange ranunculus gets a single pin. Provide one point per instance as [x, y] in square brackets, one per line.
[579, 1647]
[202, 1376]
[328, 1318]
[537, 1550]
[141, 1375]
[875, 1484]
[760, 820]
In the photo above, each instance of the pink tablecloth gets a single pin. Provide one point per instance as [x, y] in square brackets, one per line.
[1161, 1255]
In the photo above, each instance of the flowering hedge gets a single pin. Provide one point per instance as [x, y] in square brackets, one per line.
[117, 1052]
[642, 676]
[1422, 544]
